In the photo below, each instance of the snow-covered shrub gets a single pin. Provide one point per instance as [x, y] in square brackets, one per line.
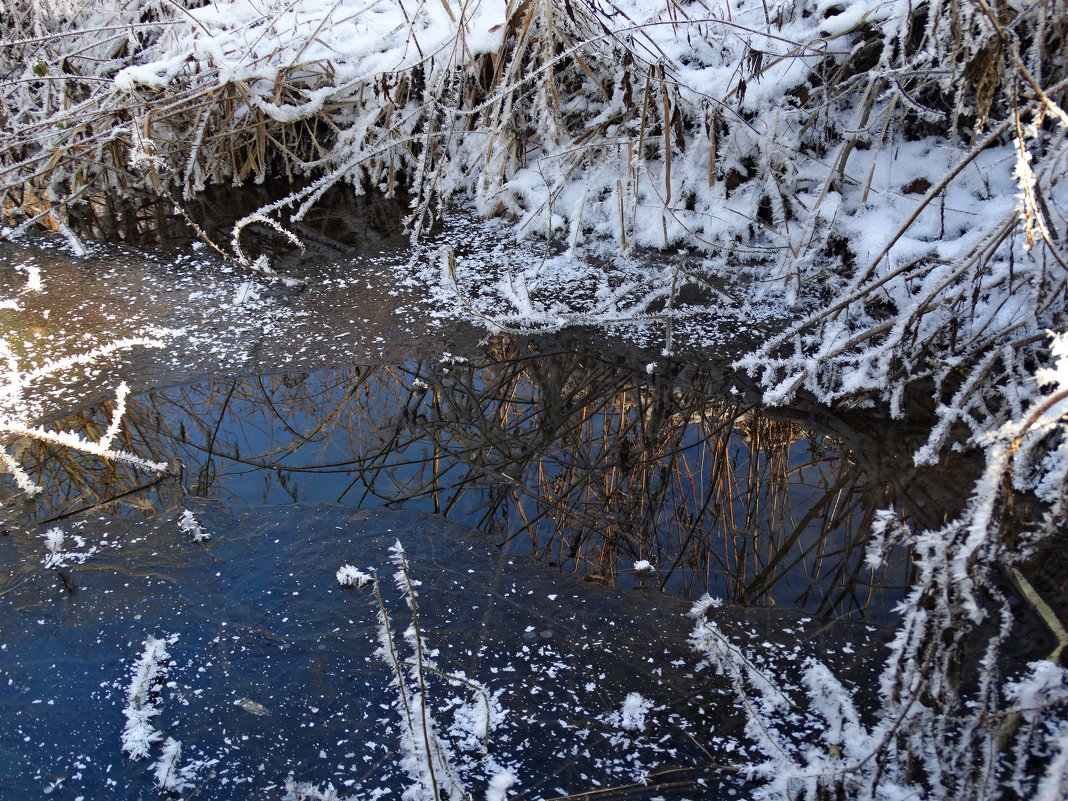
[888, 168]
[949, 724]
[442, 763]
[771, 136]
[429, 758]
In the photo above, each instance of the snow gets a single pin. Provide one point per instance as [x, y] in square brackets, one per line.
[349, 576]
[188, 524]
[157, 74]
[852, 15]
[143, 699]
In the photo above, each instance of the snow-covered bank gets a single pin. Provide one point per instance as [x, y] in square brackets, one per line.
[887, 175]
[890, 175]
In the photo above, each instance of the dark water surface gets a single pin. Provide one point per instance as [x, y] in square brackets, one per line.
[258, 616]
[272, 670]
[527, 478]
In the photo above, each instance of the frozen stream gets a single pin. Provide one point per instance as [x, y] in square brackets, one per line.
[529, 481]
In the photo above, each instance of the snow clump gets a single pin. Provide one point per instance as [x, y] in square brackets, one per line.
[349, 576]
[632, 714]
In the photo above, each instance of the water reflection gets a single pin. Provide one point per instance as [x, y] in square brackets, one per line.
[340, 222]
[555, 448]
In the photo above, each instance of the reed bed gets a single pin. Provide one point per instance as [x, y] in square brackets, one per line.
[687, 122]
[888, 172]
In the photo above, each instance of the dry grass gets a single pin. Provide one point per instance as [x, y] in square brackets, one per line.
[455, 121]
[624, 145]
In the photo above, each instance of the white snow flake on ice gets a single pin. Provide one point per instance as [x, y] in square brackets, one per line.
[632, 714]
[499, 784]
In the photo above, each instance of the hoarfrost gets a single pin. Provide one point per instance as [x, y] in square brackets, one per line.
[633, 712]
[349, 576]
[168, 774]
[55, 556]
[188, 524]
[143, 696]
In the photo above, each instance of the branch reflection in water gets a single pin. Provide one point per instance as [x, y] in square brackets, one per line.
[550, 447]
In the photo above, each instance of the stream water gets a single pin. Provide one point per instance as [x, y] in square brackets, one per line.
[548, 447]
[559, 500]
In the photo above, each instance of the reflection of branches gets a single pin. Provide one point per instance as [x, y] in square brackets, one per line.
[15, 413]
[570, 455]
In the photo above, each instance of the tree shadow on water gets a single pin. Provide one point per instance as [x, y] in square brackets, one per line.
[673, 480]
